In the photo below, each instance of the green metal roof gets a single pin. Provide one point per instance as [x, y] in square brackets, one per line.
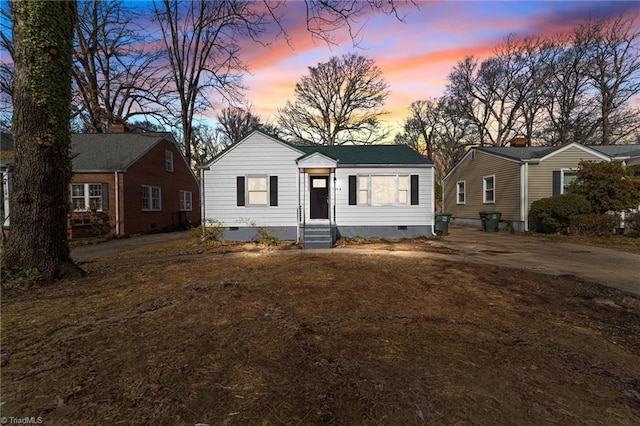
[356, 155]
[369, 154]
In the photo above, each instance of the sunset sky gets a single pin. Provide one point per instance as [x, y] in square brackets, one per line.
[415, 55]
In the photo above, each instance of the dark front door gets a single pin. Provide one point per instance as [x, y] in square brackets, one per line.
[319, 197]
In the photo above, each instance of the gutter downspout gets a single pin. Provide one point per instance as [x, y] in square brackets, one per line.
[433, 200]
[524, 195]
[299, 209]
[117, 193]
[202, 205]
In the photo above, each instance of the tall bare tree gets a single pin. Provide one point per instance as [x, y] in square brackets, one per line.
[339, 101]
[535, 54]
[43, 43]
[436, 129]
[469, 103]
[207, 142]
[421, 127]
[114, 69]
[613, 58]
[490, 92]
[570, 110]
[200, 42]
[236, 122]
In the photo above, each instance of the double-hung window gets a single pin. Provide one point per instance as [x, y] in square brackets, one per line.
[568, 176]
[257, 191]
[151, 198]
[185, 201]
[168, 160]
[460, 192]
[383, 190]
[488, 189]
[86, 196]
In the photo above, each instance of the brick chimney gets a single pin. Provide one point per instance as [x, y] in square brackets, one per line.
[518, 141]
[117, 128]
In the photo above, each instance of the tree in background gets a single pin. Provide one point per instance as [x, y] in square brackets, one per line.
[6, 70]
[492, 92]
[43, 52]
[338, 102]
[207, 142]
[613, 57]
[236, 123]
[608, 186]
[200, 42]
[115, 72]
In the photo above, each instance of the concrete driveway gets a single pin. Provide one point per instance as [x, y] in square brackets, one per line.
[604, 266]
[90, 252]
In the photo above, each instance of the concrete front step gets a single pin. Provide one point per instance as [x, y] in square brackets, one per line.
[317, 236]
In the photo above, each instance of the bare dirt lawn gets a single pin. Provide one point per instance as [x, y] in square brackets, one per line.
[182, 334]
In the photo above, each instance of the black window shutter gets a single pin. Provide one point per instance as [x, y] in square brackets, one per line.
[240, 190]
[414, 190]
[556, 182]
[353, 190]
[105, 196]
[273, 190]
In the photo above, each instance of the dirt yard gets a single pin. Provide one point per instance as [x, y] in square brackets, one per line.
[179, 334]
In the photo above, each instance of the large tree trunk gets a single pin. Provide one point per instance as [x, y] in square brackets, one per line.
[43, 35]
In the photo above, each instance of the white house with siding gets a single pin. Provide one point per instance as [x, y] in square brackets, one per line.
[509, 179]
[314, 194]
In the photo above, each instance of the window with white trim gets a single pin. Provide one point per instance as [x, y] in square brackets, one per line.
[151, 198]
[568, 176]
[489, 189]
[185, 201]
[383, 190]
[460, 192]
[86, 196]
[168, 160]
[257, 191]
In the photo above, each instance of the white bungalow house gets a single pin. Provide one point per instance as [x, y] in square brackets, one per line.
[314, 194]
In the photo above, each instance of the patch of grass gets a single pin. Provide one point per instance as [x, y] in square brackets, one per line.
[253, 338]
[20, 278]
[614, 242]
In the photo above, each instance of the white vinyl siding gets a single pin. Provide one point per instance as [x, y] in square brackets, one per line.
[151, 198]
[258, 155]
[384, 215]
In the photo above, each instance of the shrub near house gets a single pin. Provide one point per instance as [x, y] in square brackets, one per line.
[593, 201]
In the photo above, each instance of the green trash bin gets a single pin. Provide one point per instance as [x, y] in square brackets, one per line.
[442, 223]
[490, 221]
[483, 221]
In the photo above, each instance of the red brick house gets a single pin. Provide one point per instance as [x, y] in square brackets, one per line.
[127, 183]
